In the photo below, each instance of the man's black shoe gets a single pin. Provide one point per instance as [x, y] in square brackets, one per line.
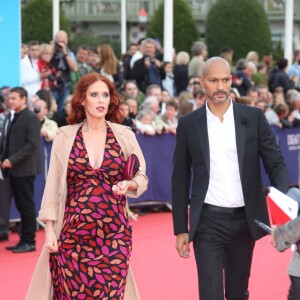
[24, 247]
[13, 247]
[3, 237]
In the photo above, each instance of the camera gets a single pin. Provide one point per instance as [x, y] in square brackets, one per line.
[58, 46]
[51, 77]
[36, 109]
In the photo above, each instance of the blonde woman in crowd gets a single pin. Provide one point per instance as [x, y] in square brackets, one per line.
[181, 77]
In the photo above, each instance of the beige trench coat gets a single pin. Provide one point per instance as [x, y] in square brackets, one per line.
[54, 198]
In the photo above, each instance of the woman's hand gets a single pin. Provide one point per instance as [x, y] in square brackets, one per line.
[121, 187]
[51, 239]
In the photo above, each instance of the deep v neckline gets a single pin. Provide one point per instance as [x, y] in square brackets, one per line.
[87, 153]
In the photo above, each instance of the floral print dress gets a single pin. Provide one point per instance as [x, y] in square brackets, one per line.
[95, 242]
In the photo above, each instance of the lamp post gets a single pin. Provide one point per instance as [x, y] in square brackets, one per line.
[288, 30]
[123, 26]
[55, 16]
[168, 31]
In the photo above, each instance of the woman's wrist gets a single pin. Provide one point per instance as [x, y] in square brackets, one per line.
[49, 226]
[132, 185]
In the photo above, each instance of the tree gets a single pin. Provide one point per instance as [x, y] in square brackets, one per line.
[239, 24]
[37, 21]
[185, 28]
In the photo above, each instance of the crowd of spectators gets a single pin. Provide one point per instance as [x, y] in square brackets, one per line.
[154, 93]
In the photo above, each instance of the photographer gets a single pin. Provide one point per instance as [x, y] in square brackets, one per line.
[147, 70]
[63, 61]
[49, 127]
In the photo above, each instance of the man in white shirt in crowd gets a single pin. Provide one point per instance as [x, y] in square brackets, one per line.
[30, 76]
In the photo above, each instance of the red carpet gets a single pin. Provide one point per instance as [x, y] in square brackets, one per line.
[159, 272]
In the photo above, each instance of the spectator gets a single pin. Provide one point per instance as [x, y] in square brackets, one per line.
[261, 104]
[93, 60]
[261, 76]
[125, 118]
[169, 117]
[227, 54]
[4, 108]
[185, 107]
[155, 90]
[151, 104]
[242, 78]
[109, 65]
[168, 83]
[133, 107]
[20, 162]
[245, 100]
[131, 90]
[47, 72]
[138, 54]
[31, 100]
[268, 60]
[147, 70]
[253, 56]
[61, 117]
[49, 127]
[253, 94]
[144, 122]
[64, 62]
[5, 186]
[234, 94]
[131, 50]
[180, 71]
[279, 76]
[51, 104]
[282, 111]
[293, 100]
[294, 70]
[264, 94]
[82, 56]
[199, 98]
[30, 75]
[24, 50]
[193, 85]
[165, 96]
[195, 67]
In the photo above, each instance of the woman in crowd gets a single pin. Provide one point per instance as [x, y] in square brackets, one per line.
[47, 72]
[88, 233]
[180, 71]
[109, 65]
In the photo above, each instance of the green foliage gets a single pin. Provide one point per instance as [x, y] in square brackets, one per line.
[239, 24]
[89, 39]
[37, 21]
[185, 28]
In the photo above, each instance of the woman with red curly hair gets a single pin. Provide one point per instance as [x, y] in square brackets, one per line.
[88, 232]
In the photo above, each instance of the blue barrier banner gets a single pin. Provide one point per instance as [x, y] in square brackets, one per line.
[10, 50]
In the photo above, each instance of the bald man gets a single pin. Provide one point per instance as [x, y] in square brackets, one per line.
[221, 144]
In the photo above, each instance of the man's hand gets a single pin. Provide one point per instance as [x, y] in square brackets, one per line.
[6, 164]
[182, 245]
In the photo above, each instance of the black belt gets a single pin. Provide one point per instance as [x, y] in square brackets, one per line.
[223, 209]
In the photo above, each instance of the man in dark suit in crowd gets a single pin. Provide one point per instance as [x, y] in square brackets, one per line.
[20, 162]
[222, 143]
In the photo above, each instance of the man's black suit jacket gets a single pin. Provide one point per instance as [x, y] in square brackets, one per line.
[254, 139]
[24, 145]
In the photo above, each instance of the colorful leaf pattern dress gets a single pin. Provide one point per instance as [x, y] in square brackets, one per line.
[95, 242]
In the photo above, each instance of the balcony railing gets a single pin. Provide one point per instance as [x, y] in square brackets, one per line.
[110, 10]
[104, 10]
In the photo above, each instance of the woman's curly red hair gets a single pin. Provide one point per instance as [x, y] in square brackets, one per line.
[77, 113]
